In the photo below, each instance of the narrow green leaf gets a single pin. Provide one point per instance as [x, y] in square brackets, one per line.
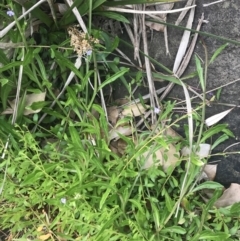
[210, 235]
[31, 178]
[39, 14]
[217, 52]
[221, 139]
[108, 191]
[218, 93]
[22, 105]
[3, 59]
[208, 185]
[63, 61]
[174, 229]
[10, 66]
[41, 66]
[75, 136]
[169, 78]
[3, 81]
[8, 128]
[137, 205]
[113, 78]
[168, 201]
[38, 105]
[156, 216]
[200, 72]
[212, 131]
[113, 15]
[235, 208]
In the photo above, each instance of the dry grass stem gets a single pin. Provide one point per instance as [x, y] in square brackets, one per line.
[123, 10]
[5, 30]
[183, 13]
[208, 4]
[149, 71]
[185, 61]
[78, 16]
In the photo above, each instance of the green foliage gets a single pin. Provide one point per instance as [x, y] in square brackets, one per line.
[59, 176]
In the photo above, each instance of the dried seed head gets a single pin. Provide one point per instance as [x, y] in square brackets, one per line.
[81, 42]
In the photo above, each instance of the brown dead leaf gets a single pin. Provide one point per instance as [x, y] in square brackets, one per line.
[161, 17]
[155, 26]
[29, 100]
[134, 110]
[118, 147]
[172, 158]
[113, 149]
[123, 130]
[121, 101]
[113, 114]
[229, 197]
[210, 171]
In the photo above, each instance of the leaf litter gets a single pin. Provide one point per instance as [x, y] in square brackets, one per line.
[157, 158]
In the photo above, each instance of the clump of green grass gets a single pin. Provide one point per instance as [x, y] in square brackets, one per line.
[59, 178]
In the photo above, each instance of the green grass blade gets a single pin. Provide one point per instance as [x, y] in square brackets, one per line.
[217, 52]
[113, 78]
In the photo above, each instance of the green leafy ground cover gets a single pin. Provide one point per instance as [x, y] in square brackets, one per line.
[59, 178]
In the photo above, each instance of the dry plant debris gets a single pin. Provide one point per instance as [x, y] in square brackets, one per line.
[229, 197]
[165, 157]
[29, 100]
[160, 16]
[82, 43]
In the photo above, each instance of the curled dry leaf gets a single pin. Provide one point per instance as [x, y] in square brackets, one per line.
[229, 197]
[172, 158]
[203, 152]
[216, 118]
[29, 100]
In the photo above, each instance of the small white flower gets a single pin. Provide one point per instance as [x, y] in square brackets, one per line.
[63, 200]
[10, 13]
[156, 110]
